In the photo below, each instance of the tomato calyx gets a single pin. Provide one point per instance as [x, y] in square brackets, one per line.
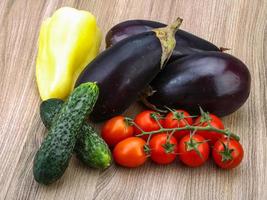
[178, 115]
[128, 121]
[205, 116]
[226, 153]
[168, 147]
[156, 116]
[147, 149]
[192, 145]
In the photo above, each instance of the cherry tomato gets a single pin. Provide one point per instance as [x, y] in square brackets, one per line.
[214, 121]
[176, 120]
[115, 130]
[130, 152]
[193, 150]
[146, 122]
[163, 148]
[227, 154]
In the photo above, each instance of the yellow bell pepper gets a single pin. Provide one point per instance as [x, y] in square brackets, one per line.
[68, 41]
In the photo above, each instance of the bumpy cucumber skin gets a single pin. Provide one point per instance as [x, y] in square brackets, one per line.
[48, 110]
[90, 148]
[53, 156]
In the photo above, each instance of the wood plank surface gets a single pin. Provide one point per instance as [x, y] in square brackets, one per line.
[238, 24]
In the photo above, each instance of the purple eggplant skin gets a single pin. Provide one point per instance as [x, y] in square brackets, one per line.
[121, 71]
[186, 43]
[217, 82]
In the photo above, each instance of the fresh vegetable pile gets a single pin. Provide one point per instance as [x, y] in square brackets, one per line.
[186, 82]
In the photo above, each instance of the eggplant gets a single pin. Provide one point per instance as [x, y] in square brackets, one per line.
[186, 43]
[217, 82]
[124, 69]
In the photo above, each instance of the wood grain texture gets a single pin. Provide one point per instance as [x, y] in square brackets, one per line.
[238, 24]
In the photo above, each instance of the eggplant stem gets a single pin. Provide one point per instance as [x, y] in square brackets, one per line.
[150, 105]
[166, 37]
[223, 49]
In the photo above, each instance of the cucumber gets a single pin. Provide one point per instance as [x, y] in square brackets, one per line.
[90, 148]
[48, 110]
[52, 158]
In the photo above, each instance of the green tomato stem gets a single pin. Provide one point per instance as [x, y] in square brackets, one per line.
[193, 128]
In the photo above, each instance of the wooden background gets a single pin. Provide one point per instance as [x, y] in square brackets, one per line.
[237, 24]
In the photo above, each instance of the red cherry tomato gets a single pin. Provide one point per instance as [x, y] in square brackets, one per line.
[163, 148]
[227, 154]
[212, 136]
[175, 120]
[130, 152]
[115, 130]
[145, 121]
[193, 151]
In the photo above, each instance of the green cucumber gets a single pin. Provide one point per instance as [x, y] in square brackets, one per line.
[90, 148]
[52, 158]
[48, 110]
